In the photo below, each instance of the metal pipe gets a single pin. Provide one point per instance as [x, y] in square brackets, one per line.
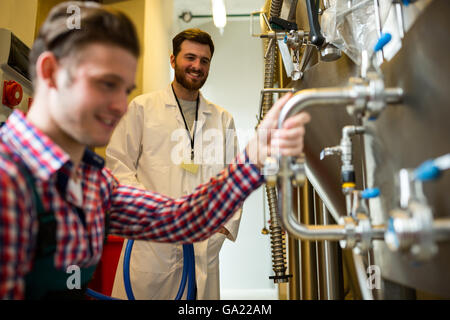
[271, 90]
[309, 287]
[339, 95]
[305, 98]
[333, 283]
[377, 232]
[299, 102]
[362, 276]
[441, 229]
[305, 232]
[293, 268]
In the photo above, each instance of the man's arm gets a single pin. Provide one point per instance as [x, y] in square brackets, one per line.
[124, 148]
[15, 231]
[141, 214]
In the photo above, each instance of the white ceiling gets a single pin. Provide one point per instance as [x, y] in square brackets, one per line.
[203, 7]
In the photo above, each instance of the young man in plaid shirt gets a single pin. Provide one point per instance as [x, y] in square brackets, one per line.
[55, 195]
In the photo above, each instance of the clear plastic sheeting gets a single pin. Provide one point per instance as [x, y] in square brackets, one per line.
[354, 25]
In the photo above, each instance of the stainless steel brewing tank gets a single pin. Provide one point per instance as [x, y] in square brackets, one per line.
[405, 135]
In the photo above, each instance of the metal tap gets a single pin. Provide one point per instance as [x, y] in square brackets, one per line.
[345, 150]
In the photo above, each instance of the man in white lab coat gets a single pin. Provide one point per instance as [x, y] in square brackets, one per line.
[171, 141]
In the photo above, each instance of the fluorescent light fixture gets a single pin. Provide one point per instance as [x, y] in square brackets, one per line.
[219, 14]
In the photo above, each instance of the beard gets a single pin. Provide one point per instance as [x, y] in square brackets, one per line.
[180, 76]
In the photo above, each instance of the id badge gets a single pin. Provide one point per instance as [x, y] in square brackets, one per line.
[189, 167]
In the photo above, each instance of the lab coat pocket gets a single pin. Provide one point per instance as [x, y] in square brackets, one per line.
[154, 257]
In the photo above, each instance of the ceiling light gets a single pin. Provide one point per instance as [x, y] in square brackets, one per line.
[219, 14]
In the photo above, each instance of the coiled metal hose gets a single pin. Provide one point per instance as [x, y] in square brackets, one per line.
[277, 239]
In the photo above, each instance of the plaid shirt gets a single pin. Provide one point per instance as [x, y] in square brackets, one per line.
[134, 213]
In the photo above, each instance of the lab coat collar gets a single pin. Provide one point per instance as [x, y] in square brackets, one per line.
[204, 109]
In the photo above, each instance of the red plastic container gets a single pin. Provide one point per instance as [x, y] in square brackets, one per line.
[103, 278]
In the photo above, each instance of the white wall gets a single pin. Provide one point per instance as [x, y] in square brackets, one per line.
[235, 81]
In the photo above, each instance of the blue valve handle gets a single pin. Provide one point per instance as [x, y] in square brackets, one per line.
[384, 40]
[427, 171]
[370, 193]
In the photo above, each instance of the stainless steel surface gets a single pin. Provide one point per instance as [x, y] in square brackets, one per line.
[309, 272]
[364, 95]
[403, 136]
[423, 121]
[330, 275]
[293, 268]
[314, 180]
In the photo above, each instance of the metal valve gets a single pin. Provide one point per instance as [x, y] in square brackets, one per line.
[270, 171]
[350, 230]
[286, 35]
[298, 171]
[361, 214]
[358, 225]
[412, 230]
[411, 227]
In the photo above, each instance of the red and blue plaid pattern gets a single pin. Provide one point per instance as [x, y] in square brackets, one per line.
[134, 213]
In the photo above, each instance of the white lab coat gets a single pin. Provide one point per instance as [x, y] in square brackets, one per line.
[144, 151]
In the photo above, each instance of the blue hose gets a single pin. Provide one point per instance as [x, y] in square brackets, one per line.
[97, 295]
[188, 272]
[187, 276]
[126, 270]
[186, 266]
[192, 289]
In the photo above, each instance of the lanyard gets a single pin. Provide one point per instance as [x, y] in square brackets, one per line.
[192, 139]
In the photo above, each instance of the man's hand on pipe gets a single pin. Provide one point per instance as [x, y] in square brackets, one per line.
[270, 141]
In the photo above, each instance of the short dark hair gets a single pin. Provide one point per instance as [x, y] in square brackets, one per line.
[97, 24]
[195, 35]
